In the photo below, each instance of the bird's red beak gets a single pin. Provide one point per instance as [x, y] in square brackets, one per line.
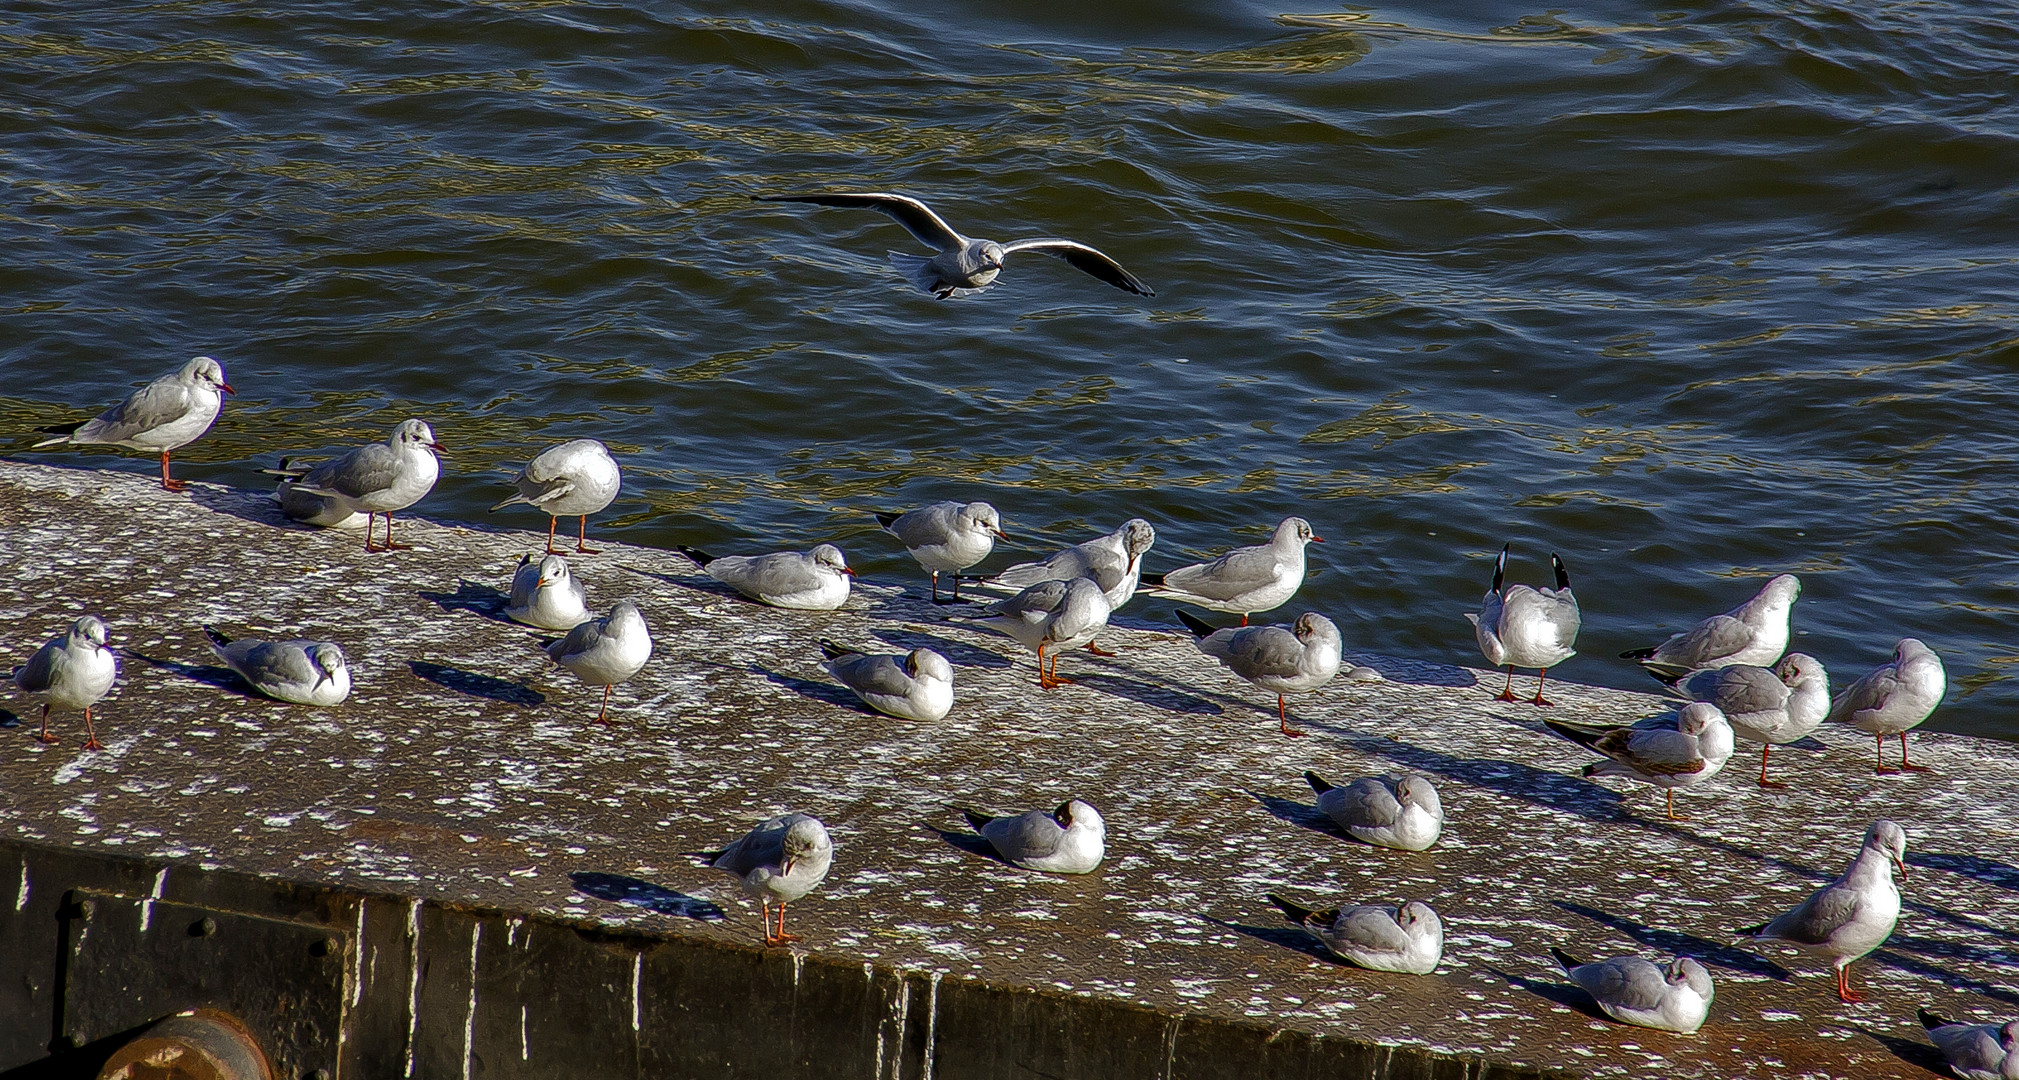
[849, 572]
[226, 387]
[438, 448]
[1316, 539]
[1902, 865]
[999, 535]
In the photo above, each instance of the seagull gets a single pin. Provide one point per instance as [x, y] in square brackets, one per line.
[1675, 996]
[1680, 749]
[918, 686]
[1852, 915]
[1069, 840]
[1776, 705]
[547, 594]
[167, 414]
[376, 478]
[816, 580]
[964, 266]
[73, 670]
[1114, 561]
[574, 479]
[946, 536]
[1244, 580]
[1526, 626]
[299, 671]
[1894, 698]
[1408, 939]
[1060, 615]
[1283, 659]
[1403, 814]
[1755, 632]
[606, 651]
[1976, 1051]
[780, 860]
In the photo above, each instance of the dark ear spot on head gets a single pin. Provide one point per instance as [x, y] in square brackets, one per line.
[1064, 815]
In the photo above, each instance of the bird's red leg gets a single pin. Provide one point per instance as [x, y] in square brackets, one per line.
[371, 519]
[1672, 815]
[1879, 742]
[1283, 719]
[1244, 619]
[1057, 679]
[166, 482]
[90, 736]
[783, 937]
[1095, 648]
[1507, 692]
[1539, 699]
[1044, 680]
[603, 717]
[390, 546]
[582, 539]
[1844, 991]
[1904, 763]
[550, 536]
[1765, 750]
[764, 912]
[45, 736]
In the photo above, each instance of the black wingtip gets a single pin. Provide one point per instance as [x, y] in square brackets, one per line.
[62, 429]
[1666, 677]
[1199, 627]
[1499, 569]
[1151, 579]
[216, 636]
[1578, 735]
[1317, 782]
[1751, 931]
[1807, 742]
[705, 858]
[1297, 913]
[1562, 572]
[699, 557]
[975, 818]
[1563, 959]
[833, 651]
[1636, 654]
[885, 520]
[1931, 1021]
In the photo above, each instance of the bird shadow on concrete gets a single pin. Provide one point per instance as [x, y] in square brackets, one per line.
[1287, 937]
[475, 685]
[1142, 693]
[829, 693]
[1407, 672]
[956, 652]
[1703, 950]
[619, 889]
[1953, 950]
[474, 598]
[209, 674]
[259, 510]
[1989, 871]
[1564, 994]
[1907, 1050]
[1942, 914]
[1303, 815]
[1892, 957]
[1554, 790]
[9, 718]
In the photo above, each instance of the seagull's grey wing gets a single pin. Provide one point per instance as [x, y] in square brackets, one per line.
[873, 675]
[1065, 565]
[1739, 689]
[1869, 692]
[916, 217]
[1369, 803]
[1623, 983]
[1970, 1046]
[39, 672]
[927, 525]
[538, 491]
[1032, 835]
[1370, 927]
[581, 639]
[1083, 258]
[369, 468]
[1825, 911]
[1654, 751]
[1706, 643]
[1265, 650]
[1037, 601]
[1234, 574]
[160, 402]
[761, 846]
[782, 574]
[271, 663]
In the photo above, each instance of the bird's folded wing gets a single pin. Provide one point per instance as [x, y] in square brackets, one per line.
[158, 403]
[1708, 642]
[1825, 911]
[874, 675]
[1626, 983]
[1656, 751]
[361, 472]
[1370, 927]
[1266, 650]
[1032, 835]
[1742, 688]
[1234, 574]
[1870, 692]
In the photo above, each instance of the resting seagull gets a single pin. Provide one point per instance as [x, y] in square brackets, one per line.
[964, 265]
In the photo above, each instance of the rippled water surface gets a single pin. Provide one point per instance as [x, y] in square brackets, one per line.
[1691, 294]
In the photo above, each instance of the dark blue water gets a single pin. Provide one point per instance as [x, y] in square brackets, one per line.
[1690, 294]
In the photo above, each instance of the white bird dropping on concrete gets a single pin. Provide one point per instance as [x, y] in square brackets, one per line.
[1894, 698]
[815, 580]
[606, 651]
[1408, 939]
[1114, 561]
[377, 478]
[1403, 814]
[1755, 632]
[73, 670]
[1852, 915]
[917, 686]
[547, 594]
[1976, 1051]
[1070, 840]
[1245, 580]
[1775, 706]
[1675, 996]
[298, 671]
[574, 479]
[779, 861]
[169, 413]
[1527, 627]
[1291, 659]
[964, 265]
[1055, 615]
[1679, 750]
[946, 537]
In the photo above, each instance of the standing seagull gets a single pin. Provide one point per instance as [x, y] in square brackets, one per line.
[815, 580]
[1893, 698]
[1527, 627]
[169, 413]
[1408, 939]
[1682, 749]
[1059, 615]
[547, 594]
[1755, 632]
[780, 860]
[574, 479]
[1114, 561]
[1667, 997]
[1069, 840]
[1772, 706]
[606, 651]
[946, 536]
[1244, 580]
[964, 266]
[73, 670]
[1403, 814]
[376, 478]
[297, 671]
[1976, 1051]
[1283, 659]
[1852, 915]
[917, 686]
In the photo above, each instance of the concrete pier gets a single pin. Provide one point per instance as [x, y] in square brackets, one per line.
[505, 884]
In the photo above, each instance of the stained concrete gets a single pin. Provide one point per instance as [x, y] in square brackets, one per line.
[464, 771]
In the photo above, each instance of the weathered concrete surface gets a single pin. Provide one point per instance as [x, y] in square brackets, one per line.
[463, 771]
